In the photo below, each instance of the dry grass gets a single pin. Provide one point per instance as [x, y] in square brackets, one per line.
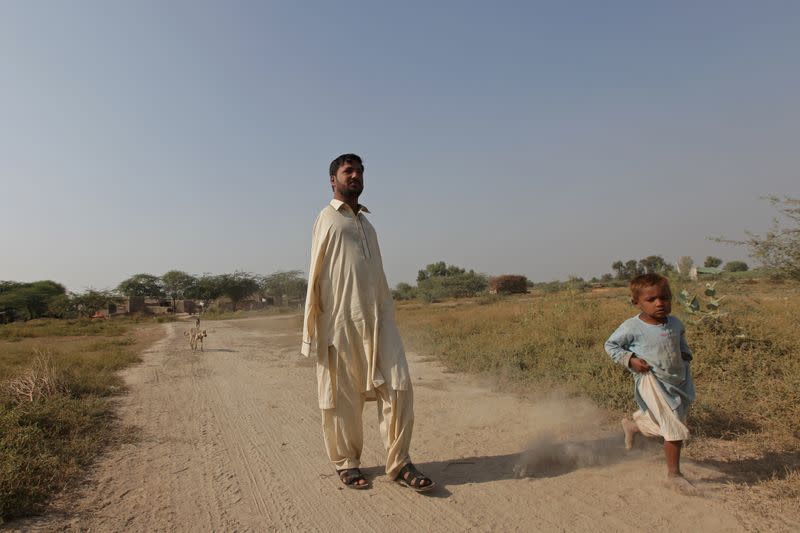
[746, 367]
[55, 377]
[51, 327]
[38, 382]
[540, 341]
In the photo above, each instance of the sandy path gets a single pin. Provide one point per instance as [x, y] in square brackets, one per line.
[230, 441]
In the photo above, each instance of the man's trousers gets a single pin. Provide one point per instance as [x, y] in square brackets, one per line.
[343, 430]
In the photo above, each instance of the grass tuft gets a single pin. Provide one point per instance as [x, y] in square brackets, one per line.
[55, 377]
[42, 380]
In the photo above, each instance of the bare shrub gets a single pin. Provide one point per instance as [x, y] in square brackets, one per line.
[42, 380]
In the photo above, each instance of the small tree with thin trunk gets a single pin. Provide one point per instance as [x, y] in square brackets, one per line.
[290, 283]
[145, 285]
[237, 286]
[779, 248]
[205, 288]
[176, 283]
[654, 264]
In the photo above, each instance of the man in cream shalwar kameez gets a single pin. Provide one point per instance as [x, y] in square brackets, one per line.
[350, 329]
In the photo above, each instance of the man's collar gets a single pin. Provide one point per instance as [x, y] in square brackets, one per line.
[337, 204]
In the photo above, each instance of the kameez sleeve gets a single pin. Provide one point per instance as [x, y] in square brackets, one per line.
[319, 243]
[618, 344]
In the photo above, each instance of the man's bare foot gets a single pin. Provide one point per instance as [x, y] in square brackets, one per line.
[630, 428]
[681, 485]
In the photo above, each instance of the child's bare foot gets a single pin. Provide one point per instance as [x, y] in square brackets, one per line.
[630, 428]
[681, 485]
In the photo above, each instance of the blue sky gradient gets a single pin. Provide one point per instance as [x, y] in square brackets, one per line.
[511, 137]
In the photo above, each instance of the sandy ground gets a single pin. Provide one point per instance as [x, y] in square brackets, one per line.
[229, 440]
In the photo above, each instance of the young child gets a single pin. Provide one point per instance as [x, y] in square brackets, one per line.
[652, 346]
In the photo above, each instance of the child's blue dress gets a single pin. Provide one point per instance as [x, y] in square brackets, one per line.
[660, 345]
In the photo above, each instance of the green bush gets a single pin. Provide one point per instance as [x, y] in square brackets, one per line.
[404, 291]
[736, 266]
[455, 286]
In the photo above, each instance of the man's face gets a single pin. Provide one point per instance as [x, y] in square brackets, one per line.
[349, 180]
[655, 301]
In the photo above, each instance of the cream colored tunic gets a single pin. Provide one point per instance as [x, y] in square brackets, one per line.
[660, 420]
[349, 307]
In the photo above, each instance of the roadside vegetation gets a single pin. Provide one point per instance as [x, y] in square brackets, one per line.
[56, 379]
[743, 366]
[60, 362]
[746, 420]
[21, 301]
[742, 325]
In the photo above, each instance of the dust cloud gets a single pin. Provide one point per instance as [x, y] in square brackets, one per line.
[567, 434]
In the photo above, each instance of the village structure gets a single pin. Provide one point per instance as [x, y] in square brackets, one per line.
[164, 306]
[696, 273]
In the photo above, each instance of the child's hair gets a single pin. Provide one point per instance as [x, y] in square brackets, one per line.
[646, 280]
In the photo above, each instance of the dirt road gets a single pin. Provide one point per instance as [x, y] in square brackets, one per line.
[230, 440]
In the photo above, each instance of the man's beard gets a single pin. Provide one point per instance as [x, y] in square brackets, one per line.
[349, 191]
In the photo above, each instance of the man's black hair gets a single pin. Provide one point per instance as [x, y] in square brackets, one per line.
[341, 160]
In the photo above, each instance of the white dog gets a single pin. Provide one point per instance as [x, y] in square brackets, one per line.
[195, 336]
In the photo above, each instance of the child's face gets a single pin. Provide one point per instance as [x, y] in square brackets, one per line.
[655, 301]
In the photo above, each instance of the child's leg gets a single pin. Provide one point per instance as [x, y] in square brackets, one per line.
[640, 422]
[672, 451]
[646, 423]
[631, 429]
[675, 479]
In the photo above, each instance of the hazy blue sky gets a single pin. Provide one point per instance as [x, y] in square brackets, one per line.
[545, 139]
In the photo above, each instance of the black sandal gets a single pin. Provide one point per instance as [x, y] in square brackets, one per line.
[414, 479]
[351, 477]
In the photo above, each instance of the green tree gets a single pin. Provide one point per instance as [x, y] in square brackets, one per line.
[403, 291]
[627, 270]
[89, 302]
[439, 280]
[145, 285]
[175, 284]
[632, 268]
[237, 286]
[712, 262]
[438, 269]
[29, 300]
[205, 288]
[290, 283]
[8, 286]
[619, 268]
[736, 266]
[654, 264]
[62, 306]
